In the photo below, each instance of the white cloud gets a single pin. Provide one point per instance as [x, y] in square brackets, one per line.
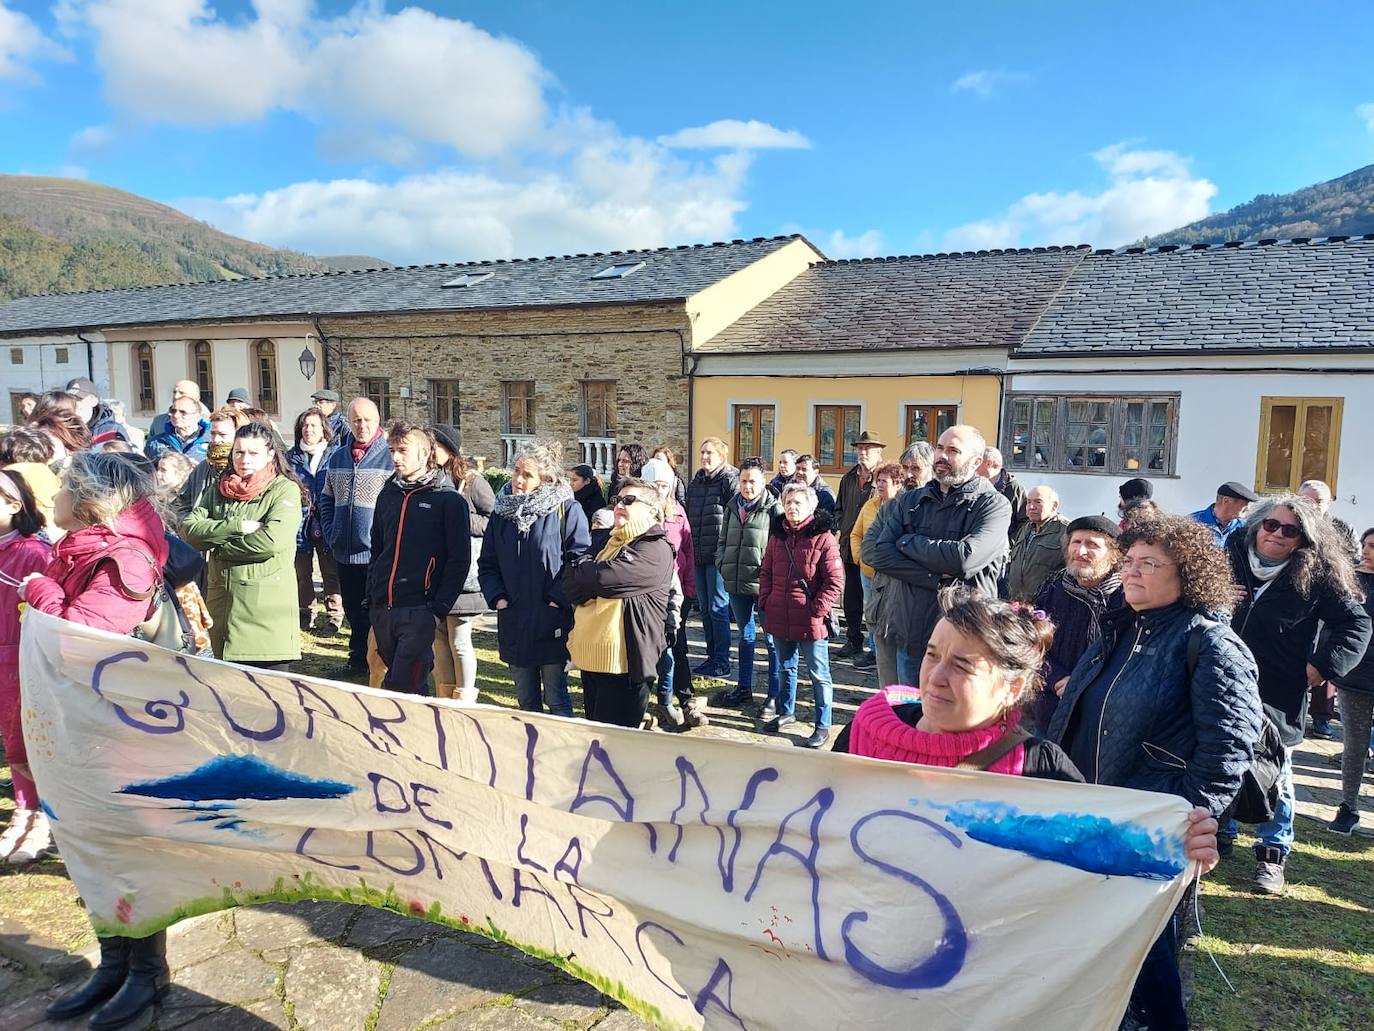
[92, 141]
[983, 82]
[617, 194]
[1147, 192]
[22, 44]
[1366, 112]
[736, 135]
[838, 244]
[433, 79]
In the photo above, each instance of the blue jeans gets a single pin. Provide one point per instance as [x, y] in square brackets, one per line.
[1278, 832]
[817, 656]
[715, 615]
[744, 609]
[867, 582]
[908, 668]
[537, 686]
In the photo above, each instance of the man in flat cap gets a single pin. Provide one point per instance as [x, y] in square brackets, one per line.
[1227, 512]
[327, 401]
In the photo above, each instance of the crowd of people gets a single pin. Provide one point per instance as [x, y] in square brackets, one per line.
[1163, 652]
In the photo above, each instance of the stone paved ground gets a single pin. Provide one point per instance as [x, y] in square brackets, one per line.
[338, 967]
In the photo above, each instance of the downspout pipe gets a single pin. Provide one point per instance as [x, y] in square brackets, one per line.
[90, 354]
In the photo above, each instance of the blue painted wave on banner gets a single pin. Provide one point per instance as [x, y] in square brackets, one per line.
[238, 776]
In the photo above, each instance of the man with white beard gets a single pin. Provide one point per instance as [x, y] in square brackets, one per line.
[1077, 599]
[951, 531]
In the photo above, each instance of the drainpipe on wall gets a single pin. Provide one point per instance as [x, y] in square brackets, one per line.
[689, 369]
[989, 370]
[90, 354]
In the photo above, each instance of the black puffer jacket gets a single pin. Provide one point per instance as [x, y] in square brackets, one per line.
[1281, 629]
[739, 554]
[1162, 728]
[707, 497]
[1361, 678]
[421, 546]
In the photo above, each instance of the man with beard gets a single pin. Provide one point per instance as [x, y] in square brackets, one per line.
[953, 530]
[1077, 599]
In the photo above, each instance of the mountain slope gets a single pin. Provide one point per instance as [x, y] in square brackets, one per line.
[59, 235]
[1341, 207]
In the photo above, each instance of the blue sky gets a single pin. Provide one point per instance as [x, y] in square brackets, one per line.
[446, 131]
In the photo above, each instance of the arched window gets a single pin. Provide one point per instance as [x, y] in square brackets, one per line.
[203, 372]
[145, 385]
[265, 357]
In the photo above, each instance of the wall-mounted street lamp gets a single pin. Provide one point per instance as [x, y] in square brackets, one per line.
[307, 361]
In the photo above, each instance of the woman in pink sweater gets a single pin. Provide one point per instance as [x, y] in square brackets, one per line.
[23, 551]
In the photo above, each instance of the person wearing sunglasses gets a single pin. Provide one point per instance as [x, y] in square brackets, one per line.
[1139, 711]
[619, 591]
[1294, 577]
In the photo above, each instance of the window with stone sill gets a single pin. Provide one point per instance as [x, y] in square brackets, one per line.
[1105, 434]
[443, 401]
[517, 407]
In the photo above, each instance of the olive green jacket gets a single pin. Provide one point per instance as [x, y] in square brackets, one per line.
[251, 579]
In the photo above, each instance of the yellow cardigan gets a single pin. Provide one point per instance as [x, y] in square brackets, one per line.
[856, 536]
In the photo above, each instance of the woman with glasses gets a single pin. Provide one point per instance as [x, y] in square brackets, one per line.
[1146, 709]
[1294, 577]
[621, 607]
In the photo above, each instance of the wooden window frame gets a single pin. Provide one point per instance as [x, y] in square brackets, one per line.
[267, 376]
[1333, 452]
[439, 387]
[607, 404]
[146, 400]
[756, 409]
[932, 408]
[377, 389]
[1115, 464]
[528, 402]
[206, 384]
[840, 408]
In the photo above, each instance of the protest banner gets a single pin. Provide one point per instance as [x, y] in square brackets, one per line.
[700, 881]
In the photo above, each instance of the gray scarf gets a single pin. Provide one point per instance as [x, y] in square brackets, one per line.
[524, 509]
[1093, 597]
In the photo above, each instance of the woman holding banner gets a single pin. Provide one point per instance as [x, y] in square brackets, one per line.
[107, 573]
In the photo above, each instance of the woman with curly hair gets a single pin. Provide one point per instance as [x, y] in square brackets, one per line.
[629, 463]
[1294, 576]
[1167, 699]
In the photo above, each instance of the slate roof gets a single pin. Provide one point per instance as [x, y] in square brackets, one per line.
[987, 298]
[669, 273]
[1268, 296]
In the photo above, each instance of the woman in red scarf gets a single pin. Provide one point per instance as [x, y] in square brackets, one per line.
[247, 521]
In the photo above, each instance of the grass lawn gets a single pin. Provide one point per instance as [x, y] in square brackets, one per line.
[1303, 962]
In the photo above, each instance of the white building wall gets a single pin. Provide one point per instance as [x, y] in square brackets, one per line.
[1218, 431]
[40, 367]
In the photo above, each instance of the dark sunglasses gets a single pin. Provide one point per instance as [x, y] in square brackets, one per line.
[1289, 530]
[625, 499]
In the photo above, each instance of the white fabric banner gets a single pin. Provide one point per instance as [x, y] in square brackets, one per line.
[702, 882]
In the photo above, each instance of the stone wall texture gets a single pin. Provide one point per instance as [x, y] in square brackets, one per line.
[638, 346]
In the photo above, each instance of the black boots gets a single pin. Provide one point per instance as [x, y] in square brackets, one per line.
[101, 985]
[132, 975]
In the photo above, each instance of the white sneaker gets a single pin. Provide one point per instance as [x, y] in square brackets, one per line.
[37, 843]
[14, 834]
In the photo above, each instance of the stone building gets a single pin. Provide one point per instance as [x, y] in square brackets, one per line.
[593, 349]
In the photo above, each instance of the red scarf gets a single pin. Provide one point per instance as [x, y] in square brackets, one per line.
[241, 488]
[359, 447]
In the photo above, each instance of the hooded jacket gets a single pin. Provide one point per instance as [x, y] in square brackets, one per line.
[105, 577]
[421, 546]
[707, 496]
[637, 580]
[1280, 627]
[933, 539]
[194, 448]
[19, 556]
[800, 579]
[1160, 727]
[739, 553]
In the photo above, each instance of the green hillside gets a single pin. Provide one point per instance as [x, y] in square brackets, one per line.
[61, 235]
[1341, 207]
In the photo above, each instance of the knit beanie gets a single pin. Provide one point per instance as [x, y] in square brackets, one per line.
[656, 469]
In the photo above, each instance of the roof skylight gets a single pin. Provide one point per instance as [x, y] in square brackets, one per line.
[468, 279]
[619, 270]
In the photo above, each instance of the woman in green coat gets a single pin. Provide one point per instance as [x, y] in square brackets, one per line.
[247, 520]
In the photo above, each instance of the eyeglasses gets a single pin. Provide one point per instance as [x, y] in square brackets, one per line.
[625, 500]
[1144, 566]
[1290, 531]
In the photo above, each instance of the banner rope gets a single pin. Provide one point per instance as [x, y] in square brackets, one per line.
[1197, 920]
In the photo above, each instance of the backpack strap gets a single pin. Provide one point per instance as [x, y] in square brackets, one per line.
[151, 594]
[998, 749]
[1194, 649]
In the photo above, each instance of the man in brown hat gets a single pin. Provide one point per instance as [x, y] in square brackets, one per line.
[855, 489]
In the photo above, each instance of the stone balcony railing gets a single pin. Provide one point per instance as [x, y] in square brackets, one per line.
[599, 453]
[510, 444]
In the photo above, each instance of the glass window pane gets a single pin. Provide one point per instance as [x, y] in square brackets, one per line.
[851, 434]
[1316, 442]
[1278, 461]
[744, 430]
[765, 451]
[825, 451]
[944, 419]
[917, 424]
[1020, 434]
[1087, 435]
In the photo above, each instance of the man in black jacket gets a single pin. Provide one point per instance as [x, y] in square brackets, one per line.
[1008, 486]
[707, 495]
[421, 550]
[952, 530]
[856, 487]
[1294, 578]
